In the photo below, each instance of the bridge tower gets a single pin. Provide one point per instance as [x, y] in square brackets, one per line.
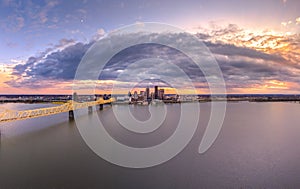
[71, 115]
[90, 109]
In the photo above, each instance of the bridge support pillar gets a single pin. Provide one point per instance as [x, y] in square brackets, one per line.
[100, 106]
[71, 115]
[90, 109]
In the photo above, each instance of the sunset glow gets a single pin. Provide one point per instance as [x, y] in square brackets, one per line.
[257, 49]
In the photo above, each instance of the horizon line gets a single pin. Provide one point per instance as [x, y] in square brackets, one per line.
[168, 94]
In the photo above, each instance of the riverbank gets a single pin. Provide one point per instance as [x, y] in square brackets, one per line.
[60, 99]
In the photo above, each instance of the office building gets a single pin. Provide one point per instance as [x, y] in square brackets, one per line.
[147, 92]
[161, 94]
[135, 95]
[155, 92]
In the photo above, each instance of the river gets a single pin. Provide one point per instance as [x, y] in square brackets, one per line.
[256, 148]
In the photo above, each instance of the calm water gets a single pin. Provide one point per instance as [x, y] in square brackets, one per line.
[258, 147]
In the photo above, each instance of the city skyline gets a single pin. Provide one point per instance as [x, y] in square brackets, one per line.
[156, 93]
[255, 43]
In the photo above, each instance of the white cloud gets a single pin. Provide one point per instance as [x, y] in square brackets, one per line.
[287, 23]
[298, 20]
[99, 34]
[16, 61]
[63, 43]
[241, 66]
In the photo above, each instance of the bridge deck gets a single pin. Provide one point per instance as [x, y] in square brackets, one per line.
[11, 115]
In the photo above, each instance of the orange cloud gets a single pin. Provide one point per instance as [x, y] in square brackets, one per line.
[298, 20]
[281, 44]
[272, 86]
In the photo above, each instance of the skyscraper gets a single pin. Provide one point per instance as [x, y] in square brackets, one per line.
[135, 95]
[155, 92]
[147, 92]
[161, 94]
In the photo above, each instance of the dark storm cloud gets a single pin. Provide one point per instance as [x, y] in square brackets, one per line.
[232, 50]
[150, 51]
[56, 65]
[240, 66]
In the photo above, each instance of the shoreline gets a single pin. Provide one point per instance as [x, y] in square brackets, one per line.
[57, 102]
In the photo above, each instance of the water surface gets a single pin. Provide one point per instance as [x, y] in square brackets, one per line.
[257, 148]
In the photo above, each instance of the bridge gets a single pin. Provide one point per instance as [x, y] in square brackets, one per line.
[70, 106]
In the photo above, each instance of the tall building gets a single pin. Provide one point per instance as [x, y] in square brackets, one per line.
[155, 92]
[161, 94]
[147, 92]
[151, 95]
[75, 96]
[135, 95]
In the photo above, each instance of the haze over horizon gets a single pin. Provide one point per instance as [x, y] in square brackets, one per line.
[256, 43]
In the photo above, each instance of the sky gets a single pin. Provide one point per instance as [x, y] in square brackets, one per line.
[256, 43]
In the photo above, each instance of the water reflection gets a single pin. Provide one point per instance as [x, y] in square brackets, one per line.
[257, 148]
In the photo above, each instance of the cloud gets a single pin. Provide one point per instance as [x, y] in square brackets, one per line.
[287, 23]
[58, 65]
[242, 66]
[12, 44]
[99, 34]
[81, 11]
[61, 64]
[281, 44]
[65, 43]
[16, 61]
[13, 23]
[298, 20]
[8, 3]
[43, 14]
[35, 13]
[232, 50]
